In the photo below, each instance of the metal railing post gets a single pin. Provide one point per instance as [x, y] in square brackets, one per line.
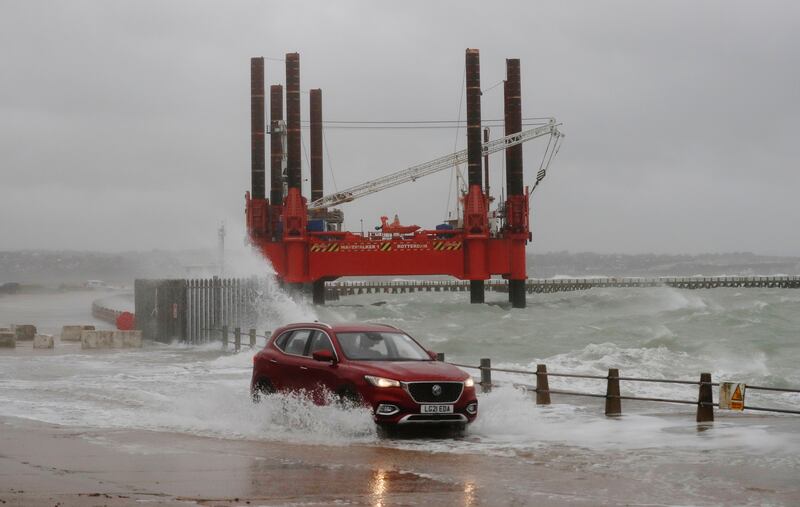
[252, 338]
[486, 375]
[705, 400]
[224, 337]
[542, 385]
[237, 339]
[613, 403]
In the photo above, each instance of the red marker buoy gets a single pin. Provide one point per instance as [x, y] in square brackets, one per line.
[125, 321]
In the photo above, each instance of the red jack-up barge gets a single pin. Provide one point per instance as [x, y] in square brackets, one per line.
[302, 239]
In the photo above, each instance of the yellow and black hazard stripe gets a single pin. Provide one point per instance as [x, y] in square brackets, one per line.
[446, 245]
[386, 246]
[325, 247]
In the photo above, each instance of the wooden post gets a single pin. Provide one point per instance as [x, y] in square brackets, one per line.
[252, 338]
[705, 400]
[216, 302]
[613, 403]
[486, 375]
[542, 385]
[225, 337]
[237, 338]
[440, 356]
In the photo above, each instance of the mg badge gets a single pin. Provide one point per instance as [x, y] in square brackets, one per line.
[436, 390]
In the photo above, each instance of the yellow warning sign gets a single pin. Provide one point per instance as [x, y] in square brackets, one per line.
[446, 245]
[731, 396]
[325, 247]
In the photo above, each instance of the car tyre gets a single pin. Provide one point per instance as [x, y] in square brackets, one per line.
[349, 398]
[386, 430]
[261, 387]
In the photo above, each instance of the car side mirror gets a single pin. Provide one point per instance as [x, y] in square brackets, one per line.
[324, 355]
[433, 355]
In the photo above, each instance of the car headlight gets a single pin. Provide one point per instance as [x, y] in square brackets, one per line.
[381, 382]
[469, 382]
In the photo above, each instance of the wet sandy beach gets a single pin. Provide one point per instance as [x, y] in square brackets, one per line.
[43, 464]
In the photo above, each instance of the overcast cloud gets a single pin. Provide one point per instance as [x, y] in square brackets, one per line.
[125, 125]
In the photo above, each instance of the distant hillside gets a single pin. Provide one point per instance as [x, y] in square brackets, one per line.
[54, 267]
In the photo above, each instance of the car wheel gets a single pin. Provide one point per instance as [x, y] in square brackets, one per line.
[262, 387]
[385, 430]
[348, 397]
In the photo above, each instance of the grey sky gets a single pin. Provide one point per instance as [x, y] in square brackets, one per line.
[125, 125]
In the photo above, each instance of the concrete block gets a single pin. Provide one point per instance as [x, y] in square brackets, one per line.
[73, 333]
[8, 339]
[127, 339]
[43, 341]
[25, 332]
[91, 339]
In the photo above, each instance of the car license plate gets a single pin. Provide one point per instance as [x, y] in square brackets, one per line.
[436, 409]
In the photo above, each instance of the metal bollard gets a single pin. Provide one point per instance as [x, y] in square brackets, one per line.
[252, 338]
[224, 337]
[440, 356]
[542, 385]
[613, 403]
[705, 400]
[486, 375]
[237, 339]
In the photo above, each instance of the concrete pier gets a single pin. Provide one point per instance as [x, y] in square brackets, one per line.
[334, 290]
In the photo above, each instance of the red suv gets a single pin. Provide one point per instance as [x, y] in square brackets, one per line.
[375, 364]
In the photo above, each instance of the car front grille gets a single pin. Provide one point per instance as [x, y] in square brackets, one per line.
[433, 418]
[423, 392]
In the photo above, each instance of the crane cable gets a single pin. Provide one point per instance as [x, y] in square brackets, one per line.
[456, 171]
[330, 164]
[544, 166]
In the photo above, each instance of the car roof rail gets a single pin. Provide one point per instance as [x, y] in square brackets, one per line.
[323, 324]
[383, 324]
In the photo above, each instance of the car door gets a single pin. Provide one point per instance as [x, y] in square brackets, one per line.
[290, 363]
[321, 375]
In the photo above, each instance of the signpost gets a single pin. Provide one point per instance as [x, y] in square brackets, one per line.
[731, 396]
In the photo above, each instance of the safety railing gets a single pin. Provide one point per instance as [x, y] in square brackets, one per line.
[226, 334]
[104, 313]
[613, 397]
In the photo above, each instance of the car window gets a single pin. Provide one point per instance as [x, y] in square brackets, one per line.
[320, 341]
[377, 346]
[280, 342]
[296, 344]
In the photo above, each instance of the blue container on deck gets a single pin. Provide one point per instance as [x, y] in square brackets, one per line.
[316, 225]
[444, 227]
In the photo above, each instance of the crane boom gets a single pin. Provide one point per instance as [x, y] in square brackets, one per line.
[433, 166]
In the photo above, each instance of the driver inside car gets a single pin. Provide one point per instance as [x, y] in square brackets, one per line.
[366, 346]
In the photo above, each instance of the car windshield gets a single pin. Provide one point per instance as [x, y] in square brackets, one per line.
[381, 346]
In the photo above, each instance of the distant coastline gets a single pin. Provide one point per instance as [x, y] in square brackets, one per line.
[54, 267]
